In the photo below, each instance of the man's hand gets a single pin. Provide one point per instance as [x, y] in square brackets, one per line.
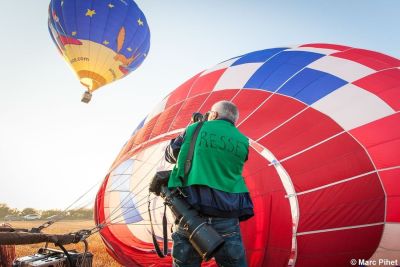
[173, 149]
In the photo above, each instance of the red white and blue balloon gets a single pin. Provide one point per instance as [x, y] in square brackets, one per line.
[324, 165]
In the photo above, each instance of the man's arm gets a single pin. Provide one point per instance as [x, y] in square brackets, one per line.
[172, 150]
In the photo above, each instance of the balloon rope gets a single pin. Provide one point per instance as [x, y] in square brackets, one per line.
[128, 176]
[98, 228]
[62, 214]
[126, 199]
[118, 219]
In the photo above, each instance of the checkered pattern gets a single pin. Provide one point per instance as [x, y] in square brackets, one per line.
[325, 160]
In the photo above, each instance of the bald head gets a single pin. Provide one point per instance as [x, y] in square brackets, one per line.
[226, 110]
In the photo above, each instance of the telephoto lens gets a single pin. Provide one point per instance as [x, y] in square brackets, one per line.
[197, 116]
[205, 240]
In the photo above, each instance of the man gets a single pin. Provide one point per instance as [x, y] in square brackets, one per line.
[214, 186]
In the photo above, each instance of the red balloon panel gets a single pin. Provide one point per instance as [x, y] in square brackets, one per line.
[260, 177]
[181, 92]
[215, 96]
[337, 248]
[205, 83]
[337, 159]
[145, 132]
[189, 106]
[371, 59]
[307, 129]
[272, 113]
[357, 202]
[382, 140]
[385, 84]
[391, 179]
[268, 235]
[246, 107]
[165, 120]
[328, 46]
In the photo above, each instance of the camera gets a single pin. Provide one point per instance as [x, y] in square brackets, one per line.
[197, 116]
[204, 239]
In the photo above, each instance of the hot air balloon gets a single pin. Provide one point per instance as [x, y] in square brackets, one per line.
[102, 41]
[324, 166]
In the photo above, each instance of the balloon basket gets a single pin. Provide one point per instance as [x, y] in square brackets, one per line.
[87, 96]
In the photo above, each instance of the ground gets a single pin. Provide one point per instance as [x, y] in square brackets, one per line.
[96, 246]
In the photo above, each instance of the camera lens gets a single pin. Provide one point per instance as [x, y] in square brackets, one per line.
[197, 116]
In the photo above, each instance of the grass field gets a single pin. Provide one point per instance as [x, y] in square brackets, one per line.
[96, 246]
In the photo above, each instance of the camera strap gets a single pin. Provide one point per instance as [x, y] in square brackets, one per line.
[189, 157]
[160, 253]
[188, 166]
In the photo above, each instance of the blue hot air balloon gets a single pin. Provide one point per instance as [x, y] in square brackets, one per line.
[102, 41]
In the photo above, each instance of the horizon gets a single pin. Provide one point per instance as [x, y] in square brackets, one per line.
[54, 148]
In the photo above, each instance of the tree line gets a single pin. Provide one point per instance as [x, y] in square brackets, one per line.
[15, 214]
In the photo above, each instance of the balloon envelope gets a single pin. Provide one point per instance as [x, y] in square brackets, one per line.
[323, 168]
[102, 41]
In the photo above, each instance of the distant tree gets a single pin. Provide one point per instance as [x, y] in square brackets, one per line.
[14, 212]
[4, 210]
[87, 213]
[27, 211]
[49, 213]
[80, 214]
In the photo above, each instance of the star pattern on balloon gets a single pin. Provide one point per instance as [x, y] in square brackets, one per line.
[90, 13]
[95, 29]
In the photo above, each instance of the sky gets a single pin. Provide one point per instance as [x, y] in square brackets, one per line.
[53, 148]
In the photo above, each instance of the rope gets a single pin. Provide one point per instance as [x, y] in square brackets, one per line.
[98, 229]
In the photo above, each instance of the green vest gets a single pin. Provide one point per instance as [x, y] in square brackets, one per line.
[218, 159]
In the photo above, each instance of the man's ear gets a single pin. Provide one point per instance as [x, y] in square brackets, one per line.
[213, 115]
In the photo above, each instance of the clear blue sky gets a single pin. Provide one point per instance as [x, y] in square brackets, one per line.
[53, 147]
